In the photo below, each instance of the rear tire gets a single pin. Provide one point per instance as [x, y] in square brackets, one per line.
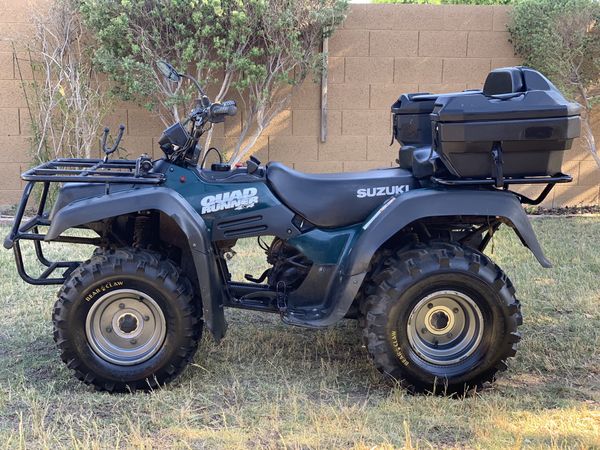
[127, 320]
[440, 318]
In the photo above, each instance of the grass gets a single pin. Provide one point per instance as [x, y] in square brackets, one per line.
[268, 385]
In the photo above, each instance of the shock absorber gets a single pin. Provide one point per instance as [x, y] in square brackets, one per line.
[143, 230]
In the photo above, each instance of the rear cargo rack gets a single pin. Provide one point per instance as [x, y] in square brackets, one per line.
[67, 170]
[505, 182]
[559, 178]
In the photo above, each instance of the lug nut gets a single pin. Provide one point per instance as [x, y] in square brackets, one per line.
[133, 341]
[108, 329]
[430, 305]
[122, 305]
[146, 318]
[423, 330]
[455, 310]
[449, 335]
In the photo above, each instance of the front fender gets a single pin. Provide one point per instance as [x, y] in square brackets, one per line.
[172, 204]
[425, 203]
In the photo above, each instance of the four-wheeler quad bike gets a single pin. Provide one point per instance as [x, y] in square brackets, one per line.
[400, 249]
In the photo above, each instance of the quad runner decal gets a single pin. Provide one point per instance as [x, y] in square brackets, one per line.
[239, 199]
[382, 191]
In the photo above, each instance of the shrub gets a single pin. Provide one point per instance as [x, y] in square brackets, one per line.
[561, 38]
[478, 2]
[66, 101]
[257, 47]
[449, 2]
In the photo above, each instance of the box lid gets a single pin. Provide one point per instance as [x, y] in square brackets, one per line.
[418, 103]
[509, 93]
[528, 105]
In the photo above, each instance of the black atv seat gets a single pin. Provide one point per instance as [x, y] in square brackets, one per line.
[337, 199]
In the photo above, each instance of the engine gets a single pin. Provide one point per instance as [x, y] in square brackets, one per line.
[290, 266]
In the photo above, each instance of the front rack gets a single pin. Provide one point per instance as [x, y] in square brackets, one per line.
[67, 170]
[72, 170]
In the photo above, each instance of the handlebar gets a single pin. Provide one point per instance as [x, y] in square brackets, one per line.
[227, 108]
[181, 139]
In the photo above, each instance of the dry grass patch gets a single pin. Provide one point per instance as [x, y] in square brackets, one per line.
[268, 385]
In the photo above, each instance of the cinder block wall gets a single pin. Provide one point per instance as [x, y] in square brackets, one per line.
[381, 52]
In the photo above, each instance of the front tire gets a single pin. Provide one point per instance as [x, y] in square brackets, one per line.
[127, 320]
[440, 318]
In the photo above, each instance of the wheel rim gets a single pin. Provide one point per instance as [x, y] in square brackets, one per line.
[125, 327]
[445, 327]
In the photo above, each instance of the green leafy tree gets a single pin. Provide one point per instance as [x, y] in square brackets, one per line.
[478, 2]
[259, 48]
[561, 38]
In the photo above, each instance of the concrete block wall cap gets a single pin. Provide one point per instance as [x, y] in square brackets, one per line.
[468, 17]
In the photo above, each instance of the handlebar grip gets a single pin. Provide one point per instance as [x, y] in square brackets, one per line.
[227, 108]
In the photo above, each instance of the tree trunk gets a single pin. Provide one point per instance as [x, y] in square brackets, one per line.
[588, 134]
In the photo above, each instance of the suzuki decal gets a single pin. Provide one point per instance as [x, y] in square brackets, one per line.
[382, 191]
[239, 199]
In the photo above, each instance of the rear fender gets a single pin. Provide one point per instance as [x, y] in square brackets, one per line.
[172, 204]
[427, 203]
[398, 212]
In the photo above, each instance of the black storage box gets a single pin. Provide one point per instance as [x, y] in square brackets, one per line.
[519, 125]
[411, 118]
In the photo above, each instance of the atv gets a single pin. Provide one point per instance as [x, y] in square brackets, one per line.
[399, 249]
